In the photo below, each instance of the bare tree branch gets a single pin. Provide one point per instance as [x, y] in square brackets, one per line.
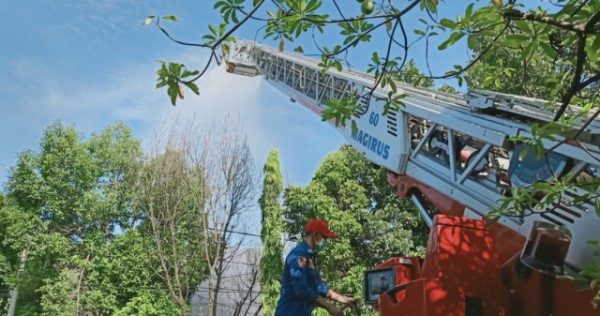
[387, 55]
[576, 80]
[589, 81]
[230, 173]
[176, 40]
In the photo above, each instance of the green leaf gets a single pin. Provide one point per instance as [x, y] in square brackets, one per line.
[472, 41]
[375, 57]
[448, 23]
[213, 29]
[550, 52]
[529, 50]
[388, 25]
[592, 47]
[488, 81]
[193, 87]
[299, 49]
[469, 11]
[516, 40]
[432, 5]
[171, 18]
[523, 26]
[219, 4]
[172, 92]
[393, 86]
[148, 20]
[454, 37]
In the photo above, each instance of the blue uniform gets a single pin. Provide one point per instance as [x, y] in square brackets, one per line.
[301, 283]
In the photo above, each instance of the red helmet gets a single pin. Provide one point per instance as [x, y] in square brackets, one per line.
[319, 226]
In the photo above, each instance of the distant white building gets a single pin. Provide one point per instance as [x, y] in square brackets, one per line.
[239, 291]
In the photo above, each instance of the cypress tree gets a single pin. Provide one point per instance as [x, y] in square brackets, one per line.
[271, 263]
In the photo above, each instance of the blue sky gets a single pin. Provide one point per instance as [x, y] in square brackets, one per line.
[90, 63]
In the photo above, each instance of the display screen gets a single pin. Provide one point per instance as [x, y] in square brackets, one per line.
[376, 282]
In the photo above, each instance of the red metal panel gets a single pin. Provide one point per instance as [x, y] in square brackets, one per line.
[460, 262]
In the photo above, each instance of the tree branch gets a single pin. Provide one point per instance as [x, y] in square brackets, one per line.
[212, 55]
[235, 27]
[580, 7]
[576, 80]
[335, 21]
[591, 22]
[176, 40]
[513, 14]
[339, 10]
[387, 58]
[589, 81]
[587, 123]
[397, 16]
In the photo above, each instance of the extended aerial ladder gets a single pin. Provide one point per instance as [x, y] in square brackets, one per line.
[453, 157]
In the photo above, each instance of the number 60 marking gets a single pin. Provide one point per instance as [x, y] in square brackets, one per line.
[374, 119]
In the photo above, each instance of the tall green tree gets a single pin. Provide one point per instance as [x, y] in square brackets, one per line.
[170, 193]
[71, 191]
[271, 263]
[372, 223]
[69, 220]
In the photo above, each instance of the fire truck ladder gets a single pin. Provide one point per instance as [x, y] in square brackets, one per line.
[458, 145]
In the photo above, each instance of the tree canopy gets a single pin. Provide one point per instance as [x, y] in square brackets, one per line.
[94, 226]
[69, 222]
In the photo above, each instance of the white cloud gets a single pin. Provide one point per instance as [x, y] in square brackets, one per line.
[128, 95]
[97, 23]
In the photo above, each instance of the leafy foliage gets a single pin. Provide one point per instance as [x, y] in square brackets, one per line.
[172, 75]
[271, 264]
[69, 221]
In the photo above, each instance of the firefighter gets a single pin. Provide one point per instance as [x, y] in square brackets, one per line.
[302, 288]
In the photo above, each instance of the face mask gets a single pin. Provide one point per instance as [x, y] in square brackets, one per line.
[320, 245]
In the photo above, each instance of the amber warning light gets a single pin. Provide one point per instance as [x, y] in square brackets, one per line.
[546, 248]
